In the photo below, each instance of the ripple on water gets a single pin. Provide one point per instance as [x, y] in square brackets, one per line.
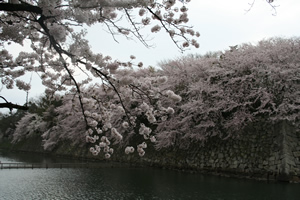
[124, 183]
[57, 184]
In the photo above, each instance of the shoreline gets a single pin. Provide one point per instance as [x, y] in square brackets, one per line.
[266, 152]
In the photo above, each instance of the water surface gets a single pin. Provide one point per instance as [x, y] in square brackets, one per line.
[130, 183]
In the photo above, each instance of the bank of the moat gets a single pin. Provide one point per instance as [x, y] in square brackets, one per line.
[263, 152]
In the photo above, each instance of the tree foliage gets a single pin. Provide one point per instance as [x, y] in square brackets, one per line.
[56, 31]
[229, 90]
[8, 123]
[112, 104]
[220, 94]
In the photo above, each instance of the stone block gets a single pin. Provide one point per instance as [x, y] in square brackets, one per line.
[296, 154]
[291, 162]
[272, 158]
[242, 166]
[265, 163]
[233, 166]
[295, 179]
[272, 168]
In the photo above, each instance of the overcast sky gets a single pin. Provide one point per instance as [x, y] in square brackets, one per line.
[221, 23]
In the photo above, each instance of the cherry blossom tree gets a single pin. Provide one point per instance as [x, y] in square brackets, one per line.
[59, 48]
[224, 92]
[56, 31]
[122, 101]
[221, 93]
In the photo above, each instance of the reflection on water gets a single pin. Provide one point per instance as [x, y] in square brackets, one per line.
[133, 183]
[32, 158]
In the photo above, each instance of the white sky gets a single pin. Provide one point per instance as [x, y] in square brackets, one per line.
[221, 23]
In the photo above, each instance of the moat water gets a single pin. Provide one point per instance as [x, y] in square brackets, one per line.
[117, 183]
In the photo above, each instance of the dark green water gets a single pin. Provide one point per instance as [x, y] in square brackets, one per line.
[129, 183]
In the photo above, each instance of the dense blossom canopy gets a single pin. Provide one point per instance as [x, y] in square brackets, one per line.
[189, 100]
[56, 31]
[220, 94]
[223, 92]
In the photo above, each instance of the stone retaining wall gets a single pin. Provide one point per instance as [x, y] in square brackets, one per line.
[264, 151]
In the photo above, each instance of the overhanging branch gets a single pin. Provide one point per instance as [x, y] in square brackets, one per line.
[20, 7]
[11, 106]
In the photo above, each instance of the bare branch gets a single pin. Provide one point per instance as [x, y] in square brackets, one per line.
[268, 1]
[11, 106]
[136, 33]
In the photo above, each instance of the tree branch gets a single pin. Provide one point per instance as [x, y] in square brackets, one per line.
[20, 7]
[137, 32]
[166, 29]
[11, 106]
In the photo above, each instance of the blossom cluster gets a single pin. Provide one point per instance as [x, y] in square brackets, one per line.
[104, 144]
[224, 92]
[121, 131]
[114, 119]
[59, 47]
[190, 100]
[113, 104]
